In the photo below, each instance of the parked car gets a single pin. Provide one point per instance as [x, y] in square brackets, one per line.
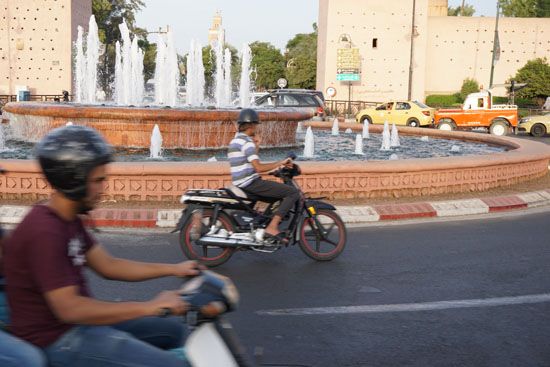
[535, 125]
[408, 113]
[285, 98]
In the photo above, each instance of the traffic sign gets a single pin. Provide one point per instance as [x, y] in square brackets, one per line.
[331, 92]
[348, 77]
[282, 83]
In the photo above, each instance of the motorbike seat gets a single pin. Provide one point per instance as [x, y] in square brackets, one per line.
[238, 192]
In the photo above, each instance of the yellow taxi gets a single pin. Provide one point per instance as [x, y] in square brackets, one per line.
[535, 125]
[407, 113]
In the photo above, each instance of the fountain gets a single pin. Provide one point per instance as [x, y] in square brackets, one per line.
[455, 149]
[386, 139]
[212, 159]
[425, 138]
[166, 71]
[348, 131]
[335, 130]
[300, 128]
[86, 63]
[394, 139]
[195, 75]
[393, 157]
[309, 147]
[244, 89]
[359, 145]
[155, 151]
[366, 133]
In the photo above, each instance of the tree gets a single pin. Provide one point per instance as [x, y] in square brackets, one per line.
[525, 8]
[269, 64]
[301, 60]
[468, 86]
[468, 11]
[536, 73]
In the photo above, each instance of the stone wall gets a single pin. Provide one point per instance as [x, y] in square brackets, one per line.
[524, 161]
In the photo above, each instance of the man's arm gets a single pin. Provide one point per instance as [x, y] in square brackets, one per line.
[266, 167]
[72, 308]
[132, 271]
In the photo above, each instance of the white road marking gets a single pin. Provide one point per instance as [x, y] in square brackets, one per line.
[411, 307]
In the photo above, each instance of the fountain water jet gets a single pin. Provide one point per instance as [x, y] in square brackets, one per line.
[195, 75]
[244, 89]
[309, 147]
[156, 143]
[335, 130]
[359, 144]
[394, 139]
[386, 139]
[366, 133]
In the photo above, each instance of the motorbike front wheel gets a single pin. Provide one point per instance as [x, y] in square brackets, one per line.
[323, 237]
[207, 255]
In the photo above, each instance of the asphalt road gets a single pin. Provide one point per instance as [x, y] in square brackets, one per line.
[483, 260]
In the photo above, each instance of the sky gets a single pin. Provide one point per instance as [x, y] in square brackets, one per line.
[244, 20]
[275, 21]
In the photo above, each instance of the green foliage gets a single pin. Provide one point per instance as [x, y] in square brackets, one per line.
[536, 73]
[443, 100]
[468, 11]
[468, 86]
[525, 8]
[301, 60]
[269, 64]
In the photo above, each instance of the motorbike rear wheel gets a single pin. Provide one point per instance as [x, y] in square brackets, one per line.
[325, 238]
[207, 255]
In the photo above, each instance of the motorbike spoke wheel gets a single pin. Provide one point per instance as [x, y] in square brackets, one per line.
[208, 255]
[324, 237]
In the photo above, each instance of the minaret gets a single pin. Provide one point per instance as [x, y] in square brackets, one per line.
[214, 31]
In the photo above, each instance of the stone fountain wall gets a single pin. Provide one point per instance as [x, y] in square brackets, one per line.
[153, 181]
[132, 127]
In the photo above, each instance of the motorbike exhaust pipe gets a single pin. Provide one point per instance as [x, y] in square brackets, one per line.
[224, 242]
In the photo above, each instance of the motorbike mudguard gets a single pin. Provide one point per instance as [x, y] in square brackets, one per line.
[185, 214]
[317, 204]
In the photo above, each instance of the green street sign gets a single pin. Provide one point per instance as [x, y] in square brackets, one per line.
[348, 77]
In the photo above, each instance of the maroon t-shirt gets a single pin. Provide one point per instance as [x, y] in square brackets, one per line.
[44, 253]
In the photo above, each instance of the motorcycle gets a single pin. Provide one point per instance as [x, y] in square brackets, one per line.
[230, 220]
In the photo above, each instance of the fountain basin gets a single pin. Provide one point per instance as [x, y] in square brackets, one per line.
[166, 181]
[132, 126]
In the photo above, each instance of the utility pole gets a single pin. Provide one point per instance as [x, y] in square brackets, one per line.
[462, 8]
[411, 64]
[496, 47]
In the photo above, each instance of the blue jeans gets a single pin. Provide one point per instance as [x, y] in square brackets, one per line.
[15, 352]
[142, 342]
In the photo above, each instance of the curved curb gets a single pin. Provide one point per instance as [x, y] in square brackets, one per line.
[357, 214]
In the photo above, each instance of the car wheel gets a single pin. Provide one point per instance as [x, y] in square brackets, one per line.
[366, 118]
[499, 128]
[446, 125]
[413, 123]
[538, 130]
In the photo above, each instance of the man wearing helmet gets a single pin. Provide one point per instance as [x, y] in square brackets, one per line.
[44, 259]
[246, 166]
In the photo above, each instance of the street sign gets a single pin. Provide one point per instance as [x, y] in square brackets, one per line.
[282, 83]
[348, 58]
[348, 77]
[348, 65]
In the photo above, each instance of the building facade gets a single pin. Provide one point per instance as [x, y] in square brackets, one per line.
[411, 48]
[36, 38]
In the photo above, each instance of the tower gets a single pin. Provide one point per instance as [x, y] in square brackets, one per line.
[214, 31]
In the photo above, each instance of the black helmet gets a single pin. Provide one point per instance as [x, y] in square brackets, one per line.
[68, 154]
[248, 115]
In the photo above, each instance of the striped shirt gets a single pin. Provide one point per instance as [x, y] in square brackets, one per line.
[242, 151]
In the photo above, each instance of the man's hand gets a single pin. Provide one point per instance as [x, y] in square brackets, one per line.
[288, 163]
[187, 269]
[168, 300]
